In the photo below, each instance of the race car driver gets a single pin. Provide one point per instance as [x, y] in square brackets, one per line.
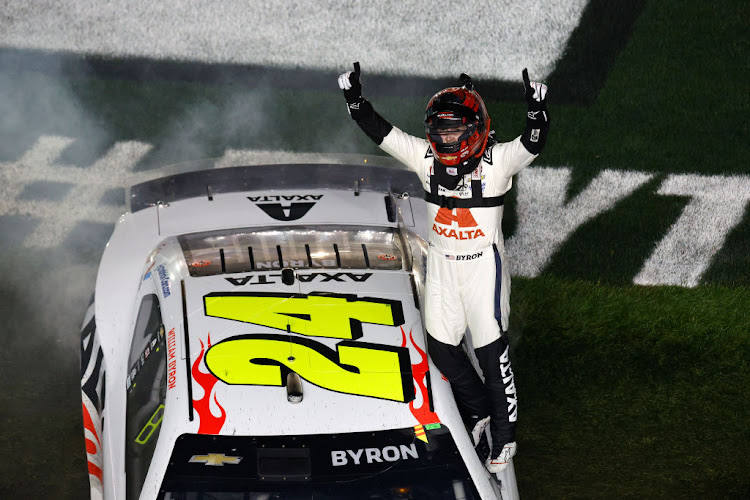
[465, 174]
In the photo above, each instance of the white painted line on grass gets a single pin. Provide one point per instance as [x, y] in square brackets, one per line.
[716, 206]
[414, 38]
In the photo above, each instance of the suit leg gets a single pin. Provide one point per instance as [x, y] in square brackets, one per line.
[500, 385]
[468, 389]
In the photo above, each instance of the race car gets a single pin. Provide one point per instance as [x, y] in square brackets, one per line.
[257, 333]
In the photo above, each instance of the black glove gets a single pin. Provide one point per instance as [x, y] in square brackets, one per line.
[537, 117]
[350, 83]
[360, 109]
[536, 99]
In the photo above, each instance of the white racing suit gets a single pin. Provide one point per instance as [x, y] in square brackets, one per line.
[467, 282]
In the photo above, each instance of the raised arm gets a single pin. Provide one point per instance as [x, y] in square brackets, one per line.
[375, 126]
[537, 117]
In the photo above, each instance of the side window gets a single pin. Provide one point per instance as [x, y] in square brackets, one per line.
[146, 392]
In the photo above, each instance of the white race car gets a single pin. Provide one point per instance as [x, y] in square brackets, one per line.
[256, 333]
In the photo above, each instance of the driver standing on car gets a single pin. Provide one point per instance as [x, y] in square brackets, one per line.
[465, 174]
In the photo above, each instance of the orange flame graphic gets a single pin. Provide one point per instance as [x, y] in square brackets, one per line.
[422, 414]
[209, 424]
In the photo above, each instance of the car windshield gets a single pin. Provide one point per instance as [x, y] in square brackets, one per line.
[382, 465]
[299, 247]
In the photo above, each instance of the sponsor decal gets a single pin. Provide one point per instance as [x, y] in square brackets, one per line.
[171, 359]
[209, 423]
[147, 274]
[510, 386]
[358, 368]
[151, 347]
[362, 456]
[201, 263]
[487, 156]
[457, 235]
[459, 258]
[215, 459]
[164, 281]
[451, 171]
[285, 213]
[460, 216]
[385, 256]
[292, 197]
[265, 279]
[290, 212]
[420, 433]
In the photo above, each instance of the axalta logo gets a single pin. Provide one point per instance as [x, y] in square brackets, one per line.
[510, 386]
[372, 455]
[263, 279]
[461, 217]
[287, 213]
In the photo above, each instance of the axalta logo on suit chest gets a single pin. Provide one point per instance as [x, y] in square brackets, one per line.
[461, 217]
[458, 235]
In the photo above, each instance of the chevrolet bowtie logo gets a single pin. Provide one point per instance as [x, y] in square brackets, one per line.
[215, 459]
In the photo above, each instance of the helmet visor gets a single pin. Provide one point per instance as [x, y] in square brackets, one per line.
[448, 132]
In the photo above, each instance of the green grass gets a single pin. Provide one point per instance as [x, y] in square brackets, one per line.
[631, 392]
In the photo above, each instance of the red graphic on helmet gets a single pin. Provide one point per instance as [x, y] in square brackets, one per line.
[462, 217]
[423, 414]
[209, 424]
[457, 125]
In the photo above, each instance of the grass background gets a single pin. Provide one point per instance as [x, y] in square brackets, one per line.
[625, 391]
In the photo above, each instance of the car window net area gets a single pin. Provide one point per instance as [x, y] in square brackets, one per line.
[301, 247]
